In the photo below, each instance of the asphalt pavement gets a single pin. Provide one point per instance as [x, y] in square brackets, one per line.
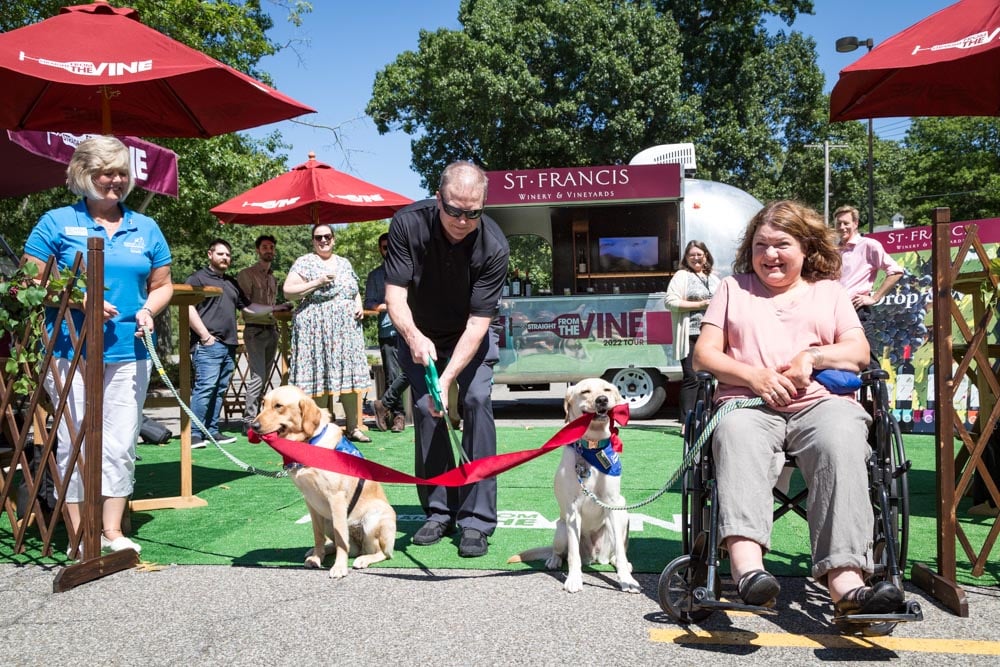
[214, 615]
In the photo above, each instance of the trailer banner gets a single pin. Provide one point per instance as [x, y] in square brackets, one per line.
[566, 338]
[903, 323]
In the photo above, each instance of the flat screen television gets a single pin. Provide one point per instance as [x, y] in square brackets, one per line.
[620, 254]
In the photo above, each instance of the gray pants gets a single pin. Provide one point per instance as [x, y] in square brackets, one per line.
[829, 441]
[474, 505]
[261, 344]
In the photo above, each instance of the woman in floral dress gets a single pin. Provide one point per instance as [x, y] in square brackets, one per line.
[328, 348]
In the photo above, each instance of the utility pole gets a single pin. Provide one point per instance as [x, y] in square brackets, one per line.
[826, 175]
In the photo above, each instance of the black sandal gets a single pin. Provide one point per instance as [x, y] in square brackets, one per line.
[883, 598]
[758, 587]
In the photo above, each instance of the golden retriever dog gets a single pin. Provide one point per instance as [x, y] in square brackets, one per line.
[585, 531]
[349, 515]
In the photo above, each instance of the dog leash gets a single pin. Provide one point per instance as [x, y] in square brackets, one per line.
[434, 387]
[246, 467]
[689, 458]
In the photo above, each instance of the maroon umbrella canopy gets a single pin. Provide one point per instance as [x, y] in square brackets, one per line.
[310, 193]
[35, 161]
[946, 65]
[95, 68]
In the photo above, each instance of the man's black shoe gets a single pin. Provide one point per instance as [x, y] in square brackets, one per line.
[430, 533]
[473, 544]
[883, 598]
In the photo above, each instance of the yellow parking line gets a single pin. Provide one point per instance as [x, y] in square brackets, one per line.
[907, 644]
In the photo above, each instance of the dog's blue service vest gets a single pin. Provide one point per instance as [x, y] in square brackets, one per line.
[603, 457]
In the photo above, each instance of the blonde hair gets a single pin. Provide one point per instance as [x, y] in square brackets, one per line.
[93, 157]
[466, 173]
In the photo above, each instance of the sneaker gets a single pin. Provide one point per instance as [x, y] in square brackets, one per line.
[197, 442]
[398, 423]
[381, 415]
[882, 598]
[431, 533]
[119, 544]
[222, 439]
[758, 587]
[473, 544]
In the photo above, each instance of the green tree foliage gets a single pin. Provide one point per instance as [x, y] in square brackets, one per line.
[534, 83]
[954, 162]
[528, 83]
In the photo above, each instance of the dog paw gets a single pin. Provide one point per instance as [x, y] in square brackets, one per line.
[312, 562]
[338, 571]
[630, 585]
[573, 583]
[361, 562]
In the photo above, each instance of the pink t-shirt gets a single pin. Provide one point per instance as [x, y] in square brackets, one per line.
[861, 259]
[759, 334]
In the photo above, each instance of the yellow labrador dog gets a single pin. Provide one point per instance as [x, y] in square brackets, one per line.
[349, 515]
[585, 531]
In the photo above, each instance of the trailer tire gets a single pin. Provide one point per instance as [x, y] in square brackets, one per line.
[643, 388]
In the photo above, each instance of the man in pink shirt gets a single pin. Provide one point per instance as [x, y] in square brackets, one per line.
[862, 259]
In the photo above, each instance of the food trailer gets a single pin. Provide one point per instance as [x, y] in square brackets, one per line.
[616, 234]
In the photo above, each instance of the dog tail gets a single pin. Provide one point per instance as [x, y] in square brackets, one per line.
[538, 553]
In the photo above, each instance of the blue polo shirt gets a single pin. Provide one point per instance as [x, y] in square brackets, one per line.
[130, 255]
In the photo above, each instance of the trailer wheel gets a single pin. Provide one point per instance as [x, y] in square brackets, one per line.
[642, 388]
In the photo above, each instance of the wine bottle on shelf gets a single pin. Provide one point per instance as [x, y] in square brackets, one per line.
[890, 384]
[905, 374]
[505, 290]
[515, 284]
[581, 254]
[528, 287]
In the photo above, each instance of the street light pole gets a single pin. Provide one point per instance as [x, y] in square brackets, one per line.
[846, 45]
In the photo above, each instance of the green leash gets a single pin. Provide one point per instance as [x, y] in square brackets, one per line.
[690, 457]
[434, 387]
[148, 342]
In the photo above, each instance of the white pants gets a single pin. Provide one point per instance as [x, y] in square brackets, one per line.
[125, 387]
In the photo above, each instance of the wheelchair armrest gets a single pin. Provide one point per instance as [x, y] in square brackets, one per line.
[704, 376]
[871, 375]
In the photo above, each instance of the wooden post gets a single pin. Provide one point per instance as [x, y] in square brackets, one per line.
[942, 585]
[93, 565]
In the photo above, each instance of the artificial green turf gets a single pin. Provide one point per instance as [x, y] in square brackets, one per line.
[252, 520]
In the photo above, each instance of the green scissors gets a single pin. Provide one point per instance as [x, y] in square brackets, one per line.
[434, 387]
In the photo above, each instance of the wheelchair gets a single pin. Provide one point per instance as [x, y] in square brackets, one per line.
[690, 586]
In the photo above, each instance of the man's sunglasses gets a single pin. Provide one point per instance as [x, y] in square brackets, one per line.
[322, 238]
[473, 214]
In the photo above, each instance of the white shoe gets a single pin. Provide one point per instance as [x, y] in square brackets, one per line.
[119, 544]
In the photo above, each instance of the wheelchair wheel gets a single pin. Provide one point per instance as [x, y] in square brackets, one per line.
[898, 511]
[676, 589]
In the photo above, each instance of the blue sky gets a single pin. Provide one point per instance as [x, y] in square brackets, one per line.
[348, 42]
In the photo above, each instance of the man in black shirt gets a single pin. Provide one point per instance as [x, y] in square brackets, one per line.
[445, 269]
[214, 340]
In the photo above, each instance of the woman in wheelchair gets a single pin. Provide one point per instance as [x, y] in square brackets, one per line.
[781, 317]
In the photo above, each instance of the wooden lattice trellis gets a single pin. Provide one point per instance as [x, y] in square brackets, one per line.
[31, 421]
[973, 355]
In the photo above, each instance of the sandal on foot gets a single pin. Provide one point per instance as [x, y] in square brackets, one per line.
[357, 435]
[758, 587]
[883, 598]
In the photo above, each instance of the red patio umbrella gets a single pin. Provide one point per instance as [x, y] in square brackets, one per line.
[946, 65]
[310, 193]
[96, 68]
[35, 161]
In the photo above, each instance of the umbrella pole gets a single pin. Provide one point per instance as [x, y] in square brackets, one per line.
[106, 110]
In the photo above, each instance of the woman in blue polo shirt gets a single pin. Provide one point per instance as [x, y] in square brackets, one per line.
[137, 287]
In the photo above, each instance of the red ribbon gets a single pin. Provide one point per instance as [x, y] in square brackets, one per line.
[468, 473]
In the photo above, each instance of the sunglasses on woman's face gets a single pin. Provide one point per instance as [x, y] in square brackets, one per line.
[454, 212]
[322, 238]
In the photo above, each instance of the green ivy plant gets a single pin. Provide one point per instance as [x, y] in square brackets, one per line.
[22, 318]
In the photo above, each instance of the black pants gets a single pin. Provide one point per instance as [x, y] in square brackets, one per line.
[689, 382]
[395, 380]
[874, 345]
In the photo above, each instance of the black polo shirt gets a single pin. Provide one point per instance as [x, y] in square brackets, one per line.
[218, 312]
[446, 282]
